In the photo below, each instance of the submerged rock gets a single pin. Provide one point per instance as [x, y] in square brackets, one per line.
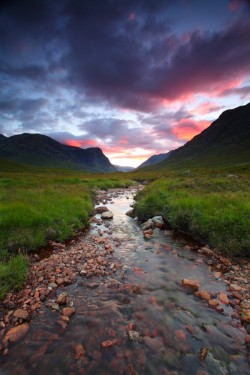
[16, 333]
[68, 311]
[109, 343]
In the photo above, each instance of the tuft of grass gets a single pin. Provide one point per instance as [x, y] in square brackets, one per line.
[13, 274]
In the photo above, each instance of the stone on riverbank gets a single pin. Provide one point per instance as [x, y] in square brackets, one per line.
[158, 222]
[21, 314]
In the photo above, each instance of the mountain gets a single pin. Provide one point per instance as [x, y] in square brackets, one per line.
[154, 159]
[120, 168]
[40, 150]
[225, 142]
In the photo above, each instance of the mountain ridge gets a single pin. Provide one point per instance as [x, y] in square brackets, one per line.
[41, 150]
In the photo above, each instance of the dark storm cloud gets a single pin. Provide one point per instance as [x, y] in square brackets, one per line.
[125, 53]
[25, 105]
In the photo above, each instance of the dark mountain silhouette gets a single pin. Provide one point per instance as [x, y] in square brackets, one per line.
[155, 159]
[225, 142]
[40, 150]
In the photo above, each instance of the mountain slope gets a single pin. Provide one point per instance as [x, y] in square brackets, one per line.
[40, 150]
[154, 159]
[225, 142]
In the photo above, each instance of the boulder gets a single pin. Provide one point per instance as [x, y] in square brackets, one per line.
[107, 215]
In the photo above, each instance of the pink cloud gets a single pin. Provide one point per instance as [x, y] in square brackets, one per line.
[186, 129]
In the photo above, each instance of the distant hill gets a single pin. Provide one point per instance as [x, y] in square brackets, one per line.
[154, 159]
[40, 150]
[120, 168]
[225, 142]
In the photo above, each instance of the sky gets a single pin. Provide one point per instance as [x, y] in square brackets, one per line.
[134, 77]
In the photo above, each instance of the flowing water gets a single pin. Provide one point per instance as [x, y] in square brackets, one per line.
[160, 327]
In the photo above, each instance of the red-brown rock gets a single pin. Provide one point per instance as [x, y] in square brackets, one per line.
[109, 343]
[206, 296]
[21, 314]
[223, 298]
[191, 284]
[16, 333]
[68, 311]
[79, 351]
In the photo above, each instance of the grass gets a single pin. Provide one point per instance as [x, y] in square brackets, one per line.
[212, 206]
[12, 274]
[37, 205]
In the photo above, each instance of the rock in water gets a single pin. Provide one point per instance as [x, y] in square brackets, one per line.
[107, 215]
[68, 311]
[192, 284]
[62, 298]
[16, 333]
[79, 351]
[101, 209]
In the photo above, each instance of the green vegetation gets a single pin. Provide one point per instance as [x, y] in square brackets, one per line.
[37, 205]
[12, 274]
[212, 205]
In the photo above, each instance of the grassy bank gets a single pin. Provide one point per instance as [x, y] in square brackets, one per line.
[213, 206]
[37, 205]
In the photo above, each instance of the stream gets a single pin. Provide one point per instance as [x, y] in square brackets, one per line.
[138, 320]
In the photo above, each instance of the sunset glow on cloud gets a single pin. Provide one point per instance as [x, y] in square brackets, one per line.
[135, 78]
